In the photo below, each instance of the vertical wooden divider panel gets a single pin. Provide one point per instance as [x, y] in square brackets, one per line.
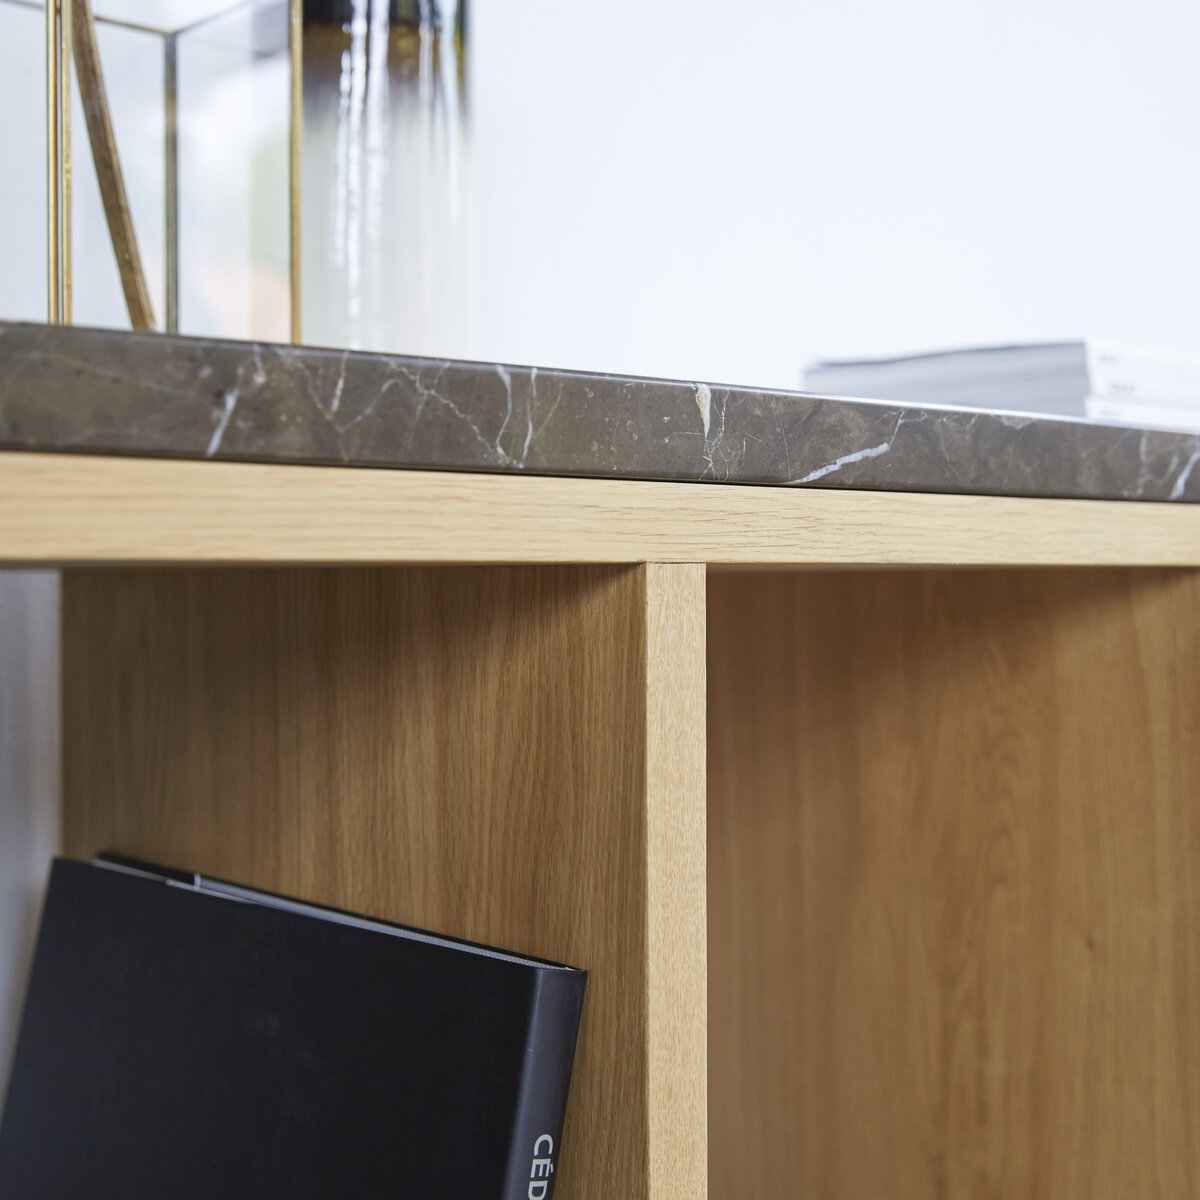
[676, 878]
[954, 884]
[489, 752]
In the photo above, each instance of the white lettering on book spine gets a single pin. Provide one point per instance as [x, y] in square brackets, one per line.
[542, 1168]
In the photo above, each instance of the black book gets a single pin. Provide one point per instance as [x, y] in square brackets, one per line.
[187, 1037]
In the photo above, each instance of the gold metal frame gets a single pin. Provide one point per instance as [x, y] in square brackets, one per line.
[296, 52]
[70, 37]
[65, 50]
[53, 172]
[59, 47]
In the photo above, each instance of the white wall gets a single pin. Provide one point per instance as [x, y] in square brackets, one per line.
[28, 776]
[23, 178]
[724, 191]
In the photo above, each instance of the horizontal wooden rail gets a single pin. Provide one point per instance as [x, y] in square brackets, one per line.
[90, 509]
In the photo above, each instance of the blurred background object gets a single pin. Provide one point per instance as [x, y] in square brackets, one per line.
[1094, 380]
[664, 188]
[386, 169]
[189, 163]
[196, 94]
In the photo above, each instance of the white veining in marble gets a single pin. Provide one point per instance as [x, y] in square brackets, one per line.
[1184, 475]
[844, 461]
[704, 404]
[230, 399]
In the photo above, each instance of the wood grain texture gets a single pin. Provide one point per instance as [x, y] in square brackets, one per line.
[676, 882]
[953, 888]
[477, 751]
[80, 509]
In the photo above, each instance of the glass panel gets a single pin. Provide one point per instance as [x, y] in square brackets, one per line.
[203, 114]
[163, 16]
[234, 108]
[23, 152]
[132, 66]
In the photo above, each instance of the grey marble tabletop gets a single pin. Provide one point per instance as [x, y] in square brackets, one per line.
[104, 392]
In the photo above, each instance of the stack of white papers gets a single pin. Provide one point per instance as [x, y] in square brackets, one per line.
[1102, 381]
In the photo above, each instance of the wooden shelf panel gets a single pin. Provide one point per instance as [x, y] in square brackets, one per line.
[954, 936]
[97, 510]
[514, 756]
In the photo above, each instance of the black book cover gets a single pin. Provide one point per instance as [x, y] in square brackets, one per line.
[187, 1038]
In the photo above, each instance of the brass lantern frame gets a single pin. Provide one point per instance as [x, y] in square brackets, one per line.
[71, 37]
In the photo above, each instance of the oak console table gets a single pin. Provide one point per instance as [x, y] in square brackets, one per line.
[870, 803]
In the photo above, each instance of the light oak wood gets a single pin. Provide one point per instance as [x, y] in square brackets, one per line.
[953, 931]
[81, 509]
[508, 755]
[676, 883]
[953, 885]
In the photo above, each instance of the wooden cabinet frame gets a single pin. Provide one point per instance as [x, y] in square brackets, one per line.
[931, 925]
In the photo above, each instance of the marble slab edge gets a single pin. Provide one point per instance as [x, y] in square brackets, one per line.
[69, 389]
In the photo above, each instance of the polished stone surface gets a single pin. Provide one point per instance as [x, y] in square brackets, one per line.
[93, 391]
